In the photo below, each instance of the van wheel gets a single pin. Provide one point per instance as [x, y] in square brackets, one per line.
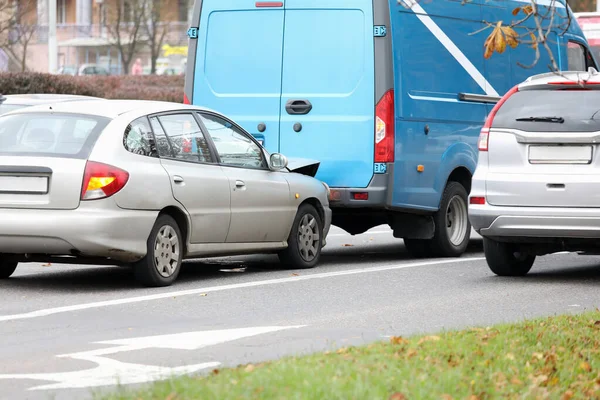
[452, 225]
[503, 260]
[7, 268]
[162, 263]
[305, 240]
[418, 248]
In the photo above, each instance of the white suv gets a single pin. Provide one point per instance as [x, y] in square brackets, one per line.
[536, 188]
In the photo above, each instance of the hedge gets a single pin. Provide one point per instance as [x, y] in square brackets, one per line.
[139, 87]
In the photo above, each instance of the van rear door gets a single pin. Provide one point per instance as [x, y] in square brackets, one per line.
[238, 64]
[328, 88]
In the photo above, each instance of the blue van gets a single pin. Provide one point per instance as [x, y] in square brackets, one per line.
[389, 96]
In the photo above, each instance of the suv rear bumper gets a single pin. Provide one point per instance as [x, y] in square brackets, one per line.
[542, 222]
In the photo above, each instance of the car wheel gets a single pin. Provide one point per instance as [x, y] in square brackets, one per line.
[163, 259]
[503, 260]
[305, 240]
[418, 247]
[452, 225]
[7, 268]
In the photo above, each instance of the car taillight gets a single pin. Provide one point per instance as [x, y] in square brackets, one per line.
[185, 99]
[484, 136]
[384, 129]
[102, 180]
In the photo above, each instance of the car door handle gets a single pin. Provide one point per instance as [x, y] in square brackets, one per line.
[298, 107]
[240, 184]
[177, 179]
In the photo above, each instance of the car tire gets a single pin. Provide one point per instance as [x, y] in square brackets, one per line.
[504, 261]
[7, 268]
[305, 240]
[162, 263]
[452, 225]
[419, 248]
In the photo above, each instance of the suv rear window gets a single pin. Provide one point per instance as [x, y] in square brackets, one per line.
[49, 135]
[580, 110]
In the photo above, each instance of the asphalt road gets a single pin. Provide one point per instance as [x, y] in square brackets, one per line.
[69, 331]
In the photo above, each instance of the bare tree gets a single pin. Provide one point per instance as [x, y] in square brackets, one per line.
[17, 29]
[533, 26]
[154, 29]
[124, 24]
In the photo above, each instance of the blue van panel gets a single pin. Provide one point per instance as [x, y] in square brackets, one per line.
[329, 61]
[238, 70]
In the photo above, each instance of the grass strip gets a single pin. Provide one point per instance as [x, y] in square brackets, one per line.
[547, 358]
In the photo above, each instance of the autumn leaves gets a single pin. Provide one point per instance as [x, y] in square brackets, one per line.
[505, 35]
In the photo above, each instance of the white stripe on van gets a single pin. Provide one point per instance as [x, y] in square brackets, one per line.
[451, 47]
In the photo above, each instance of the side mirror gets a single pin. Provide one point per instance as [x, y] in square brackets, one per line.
[278, 161]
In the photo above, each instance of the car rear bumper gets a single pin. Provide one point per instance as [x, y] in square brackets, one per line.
[541, 222]
[95, 229]
[326, 224]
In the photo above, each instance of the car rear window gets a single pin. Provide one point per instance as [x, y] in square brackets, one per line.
[580, 110]
[49, 134]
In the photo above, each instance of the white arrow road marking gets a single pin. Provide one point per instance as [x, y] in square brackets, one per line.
[112, 372]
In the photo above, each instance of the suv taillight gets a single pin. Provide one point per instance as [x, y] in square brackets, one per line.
[384, 128]
[484, 136]
[102, 180]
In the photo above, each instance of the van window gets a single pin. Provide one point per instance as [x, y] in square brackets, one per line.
[576, 59]
[579, 108]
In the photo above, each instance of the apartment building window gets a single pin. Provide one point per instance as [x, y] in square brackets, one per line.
[183, 10]
[61, 11]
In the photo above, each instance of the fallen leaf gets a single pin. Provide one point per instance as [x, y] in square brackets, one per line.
[249, 368]
[516, 381]
[567, 395]
[203, 294]
[397, 396]
[294, 274]
[446, 397]
[429, 339]
[172, 396]
[596, 323]
[473, 397]
[398, 340]
[47, 265]
[342, 350]
[411, 353]
[585, 366]
[215, 371]
[348, 245]
[510, 356]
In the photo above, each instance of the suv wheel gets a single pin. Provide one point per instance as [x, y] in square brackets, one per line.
[164, 255]
[305, 240]
[7, 268]
[503, 260]
[452, 226]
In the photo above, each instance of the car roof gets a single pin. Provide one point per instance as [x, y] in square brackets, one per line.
[42, 98]
[543, 80]
[111, 108]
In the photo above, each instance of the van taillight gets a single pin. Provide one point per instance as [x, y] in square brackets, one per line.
[185, 99]
[384, 129]
[484, 136]
[102, 180]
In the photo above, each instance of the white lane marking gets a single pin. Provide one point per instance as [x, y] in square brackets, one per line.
[112, 372]
[129, 300]
[452, 48]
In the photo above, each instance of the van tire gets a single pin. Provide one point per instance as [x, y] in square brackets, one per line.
[7, 268]
[452, 225]
[164, 235]
[303, 230]
[418, 248]
[503, 260]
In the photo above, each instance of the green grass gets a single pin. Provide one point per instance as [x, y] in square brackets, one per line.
[550, 358]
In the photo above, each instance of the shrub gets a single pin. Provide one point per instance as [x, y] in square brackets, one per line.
[141, 87]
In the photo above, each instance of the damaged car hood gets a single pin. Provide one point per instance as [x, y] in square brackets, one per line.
[303, 166]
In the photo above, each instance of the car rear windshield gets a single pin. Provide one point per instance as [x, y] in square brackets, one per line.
[580, 110]
[49, 134]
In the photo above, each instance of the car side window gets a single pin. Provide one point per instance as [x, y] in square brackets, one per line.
[186, 138]
[576, 57]
[138, 138]
[234, 147]
[162, 142]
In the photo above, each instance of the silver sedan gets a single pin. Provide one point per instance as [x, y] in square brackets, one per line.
[149, 184]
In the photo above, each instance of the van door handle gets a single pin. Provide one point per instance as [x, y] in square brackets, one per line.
[177, 179]
[298, 107]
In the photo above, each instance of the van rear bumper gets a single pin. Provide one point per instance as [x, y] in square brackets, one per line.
[374, 196]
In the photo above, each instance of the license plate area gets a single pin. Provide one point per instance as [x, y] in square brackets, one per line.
[15, 184]
[560, 154]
